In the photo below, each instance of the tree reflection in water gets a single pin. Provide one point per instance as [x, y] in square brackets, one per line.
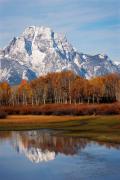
[43, 145]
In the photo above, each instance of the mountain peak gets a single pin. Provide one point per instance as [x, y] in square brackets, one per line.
[40, 50]
[33, 31]
[102, 56]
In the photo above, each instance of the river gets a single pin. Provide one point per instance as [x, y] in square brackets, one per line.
[47, 155]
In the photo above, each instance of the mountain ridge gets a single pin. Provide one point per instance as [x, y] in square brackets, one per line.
[39, 50]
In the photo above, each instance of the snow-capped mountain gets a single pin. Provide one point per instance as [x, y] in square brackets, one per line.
[13, 71]
[118, 66]
[98, 65]
[39, 50]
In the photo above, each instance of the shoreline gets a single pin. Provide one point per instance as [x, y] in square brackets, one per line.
[99, 128]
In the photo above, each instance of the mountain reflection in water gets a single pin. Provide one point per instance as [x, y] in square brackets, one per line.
[43, 145]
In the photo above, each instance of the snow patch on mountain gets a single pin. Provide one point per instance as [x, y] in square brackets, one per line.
[117, 63]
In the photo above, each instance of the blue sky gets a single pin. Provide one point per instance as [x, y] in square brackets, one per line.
[92, 26]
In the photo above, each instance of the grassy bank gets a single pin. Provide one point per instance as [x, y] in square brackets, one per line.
[100, 128]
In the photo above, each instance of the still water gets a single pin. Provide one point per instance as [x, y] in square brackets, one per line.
[45, 155]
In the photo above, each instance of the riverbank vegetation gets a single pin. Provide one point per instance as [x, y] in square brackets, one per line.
[100, 128]
[63, 109]
[3, 114]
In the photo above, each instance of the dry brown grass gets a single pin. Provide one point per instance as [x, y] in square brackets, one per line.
[36, 119]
